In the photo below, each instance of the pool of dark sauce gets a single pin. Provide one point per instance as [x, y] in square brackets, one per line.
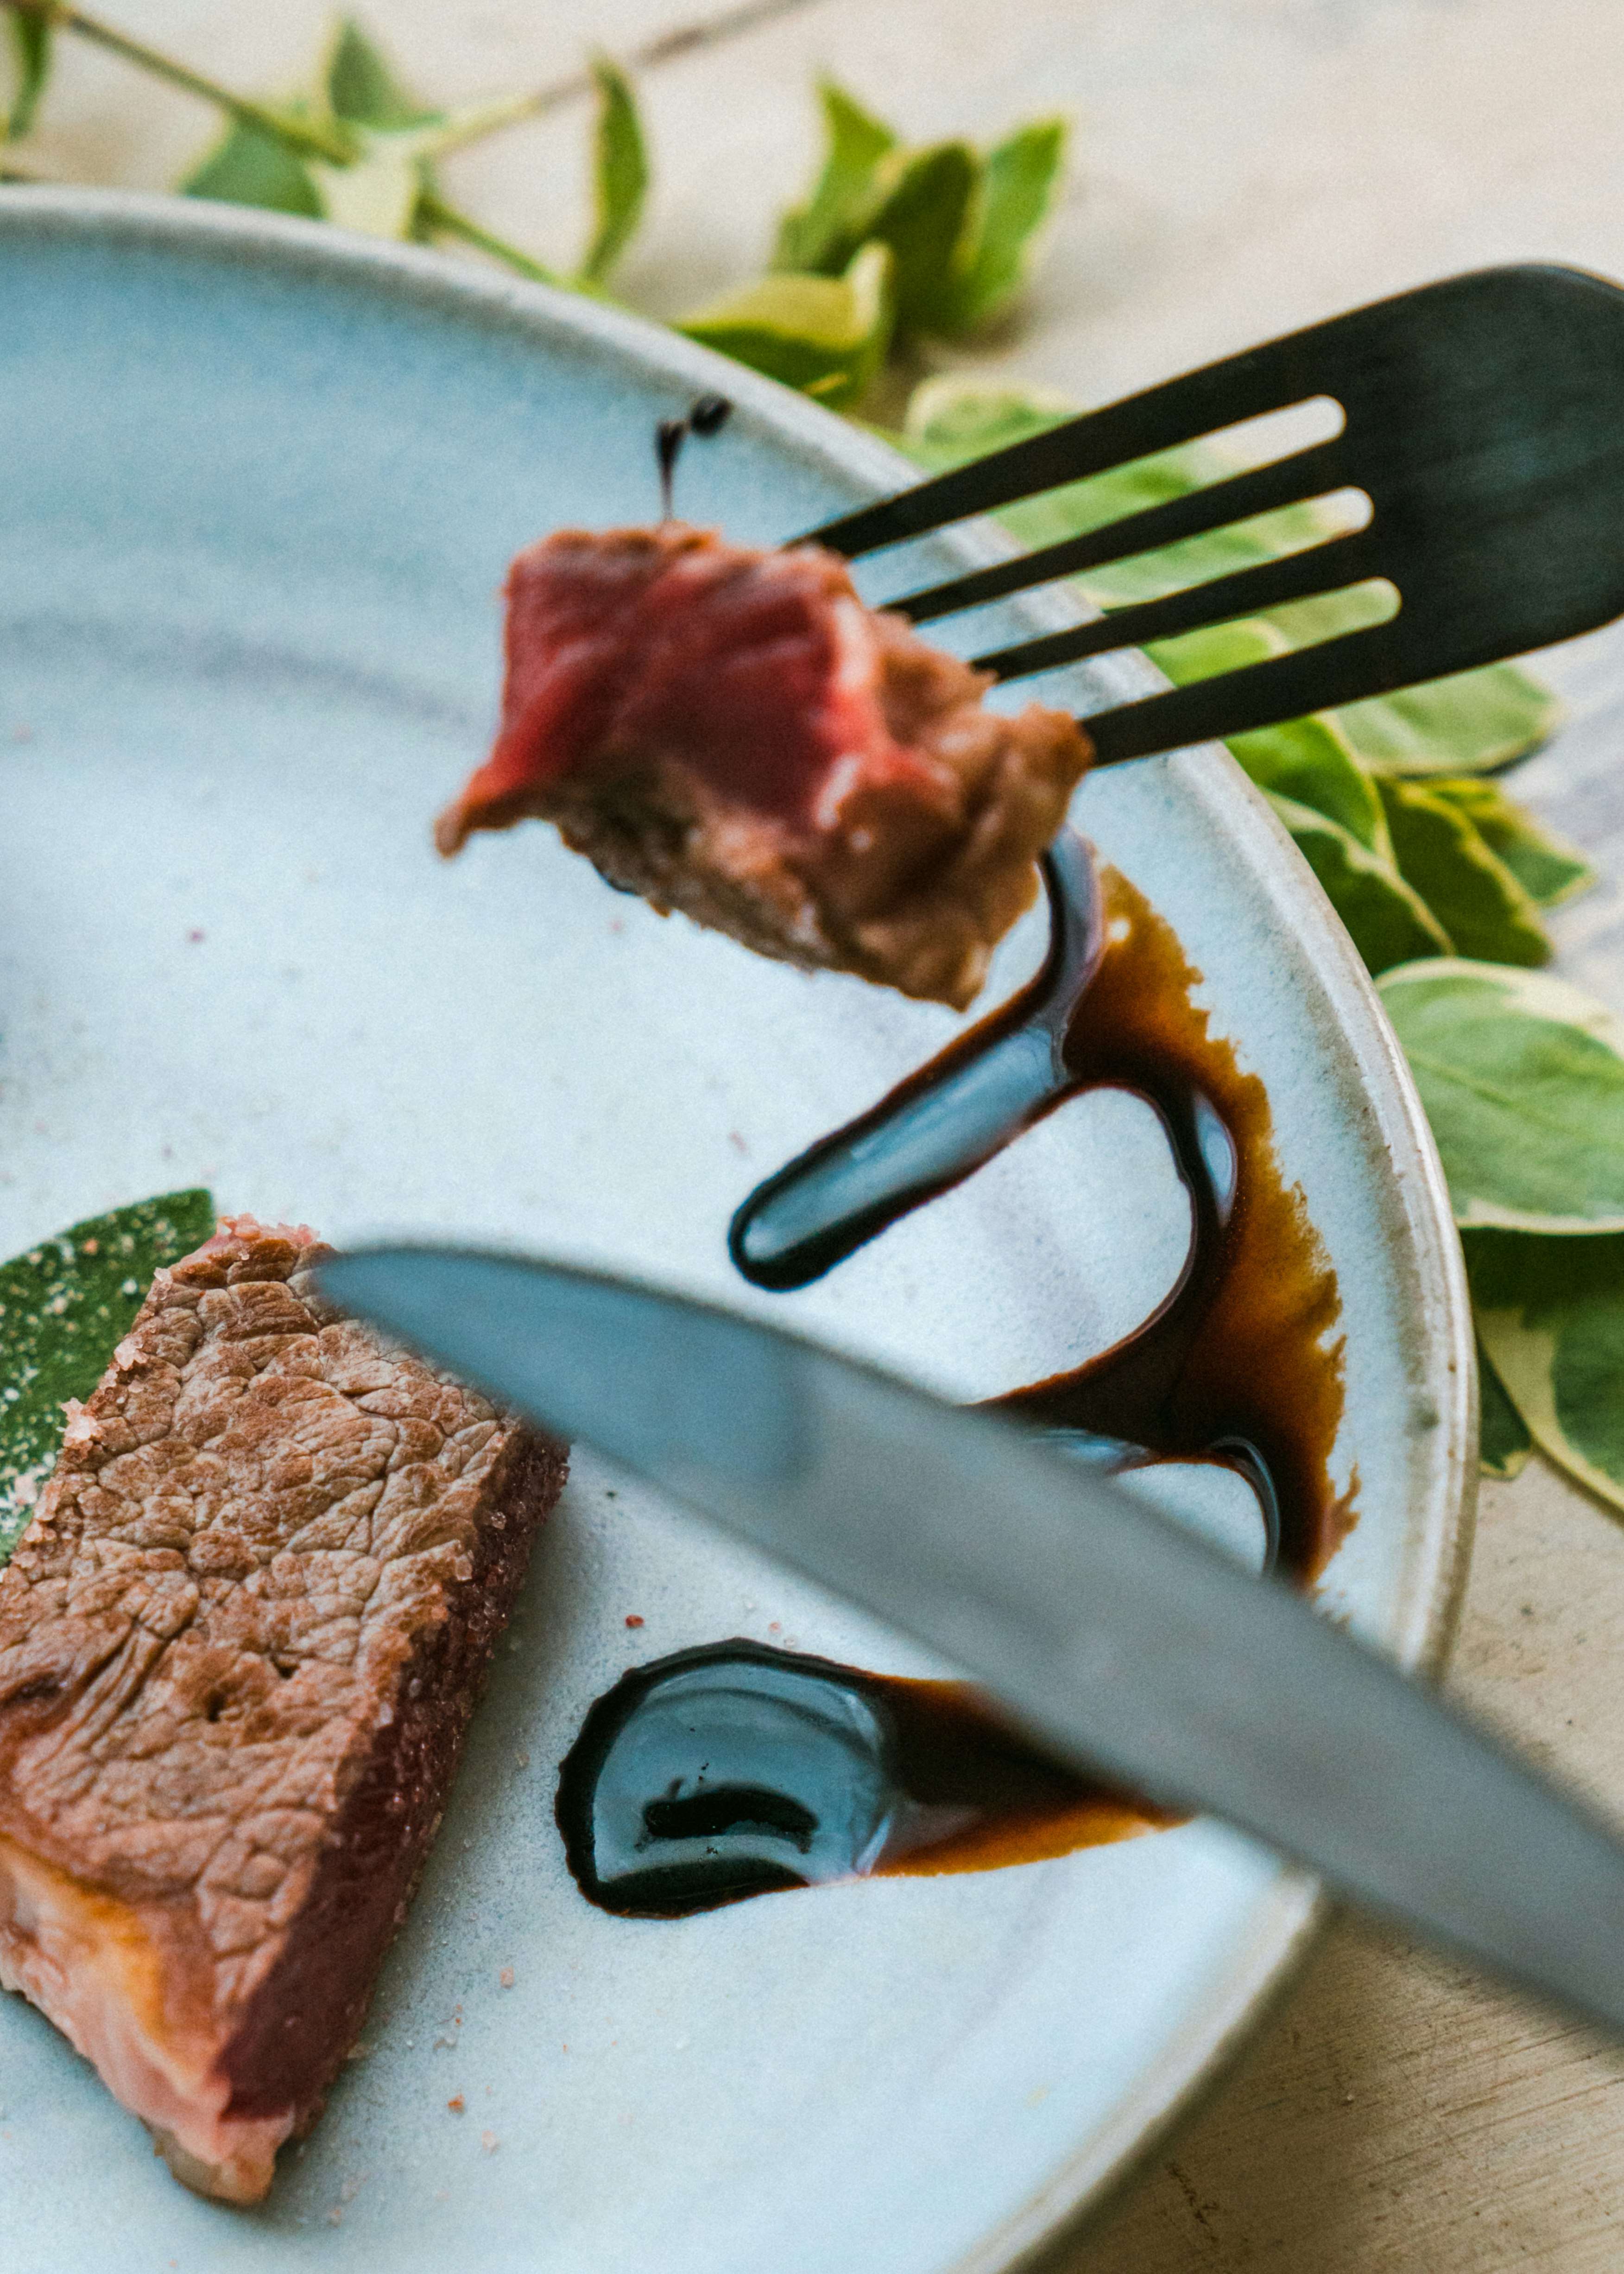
[736, 1769]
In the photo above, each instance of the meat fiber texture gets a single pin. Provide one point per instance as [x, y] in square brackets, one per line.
[240, 1643]
[732, 733]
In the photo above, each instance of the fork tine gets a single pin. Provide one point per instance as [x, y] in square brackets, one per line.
[1268, 378]
[1480, 419]
[1327, 567]
[1470, 344]
[1288, 481]
[1347, 669]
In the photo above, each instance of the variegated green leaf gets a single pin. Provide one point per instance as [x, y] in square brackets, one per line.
[1472, 722]
[1551, 1315]
[1503, 1440]
[826, 335]
[1309, 760]
[922, 217]
[1389, 923]
[361, 87]
[1522, 1080]
[377, 195]
[949, 421]
[1487, 913]
[1548, 868]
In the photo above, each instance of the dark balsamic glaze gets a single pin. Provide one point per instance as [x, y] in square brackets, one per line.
[736, 1770]
[1234, 1364]
[724, 1771]
[707, 414]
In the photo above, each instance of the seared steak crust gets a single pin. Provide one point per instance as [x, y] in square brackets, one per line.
[240, 1644]
[732, 733]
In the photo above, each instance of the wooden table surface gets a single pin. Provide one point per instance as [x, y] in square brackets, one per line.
[1243, 166]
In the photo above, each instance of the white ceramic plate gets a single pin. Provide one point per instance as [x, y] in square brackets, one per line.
[261, 484]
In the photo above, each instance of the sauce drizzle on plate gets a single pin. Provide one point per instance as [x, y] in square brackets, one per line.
[736, 1769]
[831, 1771]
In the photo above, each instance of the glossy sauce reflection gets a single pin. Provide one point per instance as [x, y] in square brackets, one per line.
[1240, 1364]
[735, 1770]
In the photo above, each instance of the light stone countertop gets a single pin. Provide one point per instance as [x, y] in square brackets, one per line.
[1241, 167]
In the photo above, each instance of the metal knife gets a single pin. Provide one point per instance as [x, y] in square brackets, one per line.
[1116, 1640]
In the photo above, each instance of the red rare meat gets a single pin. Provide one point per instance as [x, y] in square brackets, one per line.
[731, 731]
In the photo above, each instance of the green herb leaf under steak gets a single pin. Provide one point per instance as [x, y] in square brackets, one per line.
[1522, 1080]
[64, 1305]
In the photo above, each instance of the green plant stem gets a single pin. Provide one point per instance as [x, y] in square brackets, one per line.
[311, 139]
[686, 39]
[434, 211]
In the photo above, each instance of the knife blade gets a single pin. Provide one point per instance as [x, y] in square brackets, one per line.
[1117, 1641]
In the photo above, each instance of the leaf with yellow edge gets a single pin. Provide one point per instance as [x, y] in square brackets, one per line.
[1548, 868]
[1522, 1080]
[1503, 1441]
[1486, 912]
[922, 217]
[246, 167]
[377, 195]
[1472, 722]
[1551, 1315]
[1389, 922]
[824, 334]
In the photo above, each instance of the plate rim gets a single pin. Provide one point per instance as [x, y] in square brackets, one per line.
[1172, 2089]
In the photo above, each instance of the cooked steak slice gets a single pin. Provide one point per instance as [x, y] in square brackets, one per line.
[732, 733]
[240, 1643]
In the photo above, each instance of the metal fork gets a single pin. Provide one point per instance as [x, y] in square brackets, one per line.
[1483, 419]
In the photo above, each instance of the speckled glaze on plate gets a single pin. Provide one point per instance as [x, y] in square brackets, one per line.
[262, 484]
